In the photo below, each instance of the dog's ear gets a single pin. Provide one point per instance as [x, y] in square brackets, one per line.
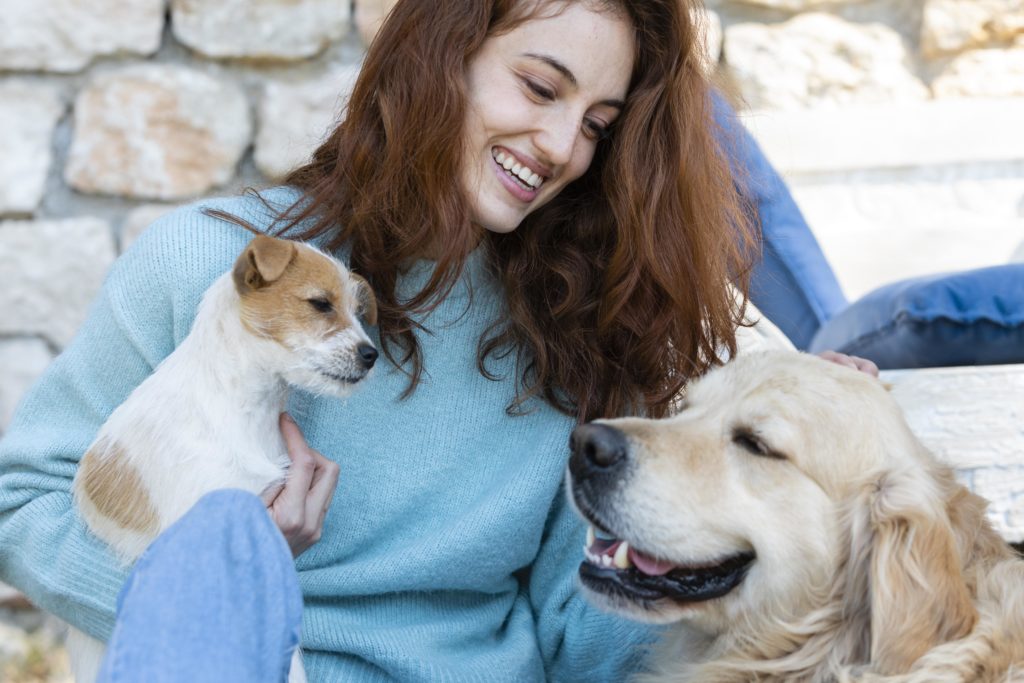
[367, 300]
[905, 568]
[262, 262]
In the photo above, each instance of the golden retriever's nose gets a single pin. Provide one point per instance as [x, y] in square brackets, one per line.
[596, 447]
[367, 355]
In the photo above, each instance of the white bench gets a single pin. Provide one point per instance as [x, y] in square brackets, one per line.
[973, 419]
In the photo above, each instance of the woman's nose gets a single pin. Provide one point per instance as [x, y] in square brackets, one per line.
[556, 139]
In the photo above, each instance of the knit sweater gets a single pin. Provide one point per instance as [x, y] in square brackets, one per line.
[449, 552]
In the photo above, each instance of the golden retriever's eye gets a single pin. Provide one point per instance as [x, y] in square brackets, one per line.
[749, 442]
[321, 305]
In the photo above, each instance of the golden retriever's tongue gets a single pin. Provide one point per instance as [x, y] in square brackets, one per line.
[649, 565]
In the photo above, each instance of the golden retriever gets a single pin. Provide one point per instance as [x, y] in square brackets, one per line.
[789, 527]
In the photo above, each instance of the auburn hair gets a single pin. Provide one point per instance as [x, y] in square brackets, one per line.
[618, 290]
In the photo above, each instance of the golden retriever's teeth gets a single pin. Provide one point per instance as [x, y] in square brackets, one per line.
[622, 556]
[591, 536]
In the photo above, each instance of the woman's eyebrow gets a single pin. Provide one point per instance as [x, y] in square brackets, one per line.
[569, 75]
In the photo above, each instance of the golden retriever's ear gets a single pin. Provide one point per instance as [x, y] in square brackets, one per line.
[905, 556]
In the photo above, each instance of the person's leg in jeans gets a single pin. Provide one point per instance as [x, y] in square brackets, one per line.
[215, 598]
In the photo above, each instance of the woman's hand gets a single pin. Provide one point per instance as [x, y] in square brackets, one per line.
[299, 505]
[855, 362]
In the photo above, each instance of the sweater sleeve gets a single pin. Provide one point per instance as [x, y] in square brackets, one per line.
[45, 550]
[577, 640]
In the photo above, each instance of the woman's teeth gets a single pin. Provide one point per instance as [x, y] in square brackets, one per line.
[518, 171]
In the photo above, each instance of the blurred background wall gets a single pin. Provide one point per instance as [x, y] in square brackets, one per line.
[899, 124]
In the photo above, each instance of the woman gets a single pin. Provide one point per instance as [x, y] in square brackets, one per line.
[537, 193]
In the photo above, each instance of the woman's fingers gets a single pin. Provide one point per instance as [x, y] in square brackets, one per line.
[321, 492]
[299, 505]
[854, 362]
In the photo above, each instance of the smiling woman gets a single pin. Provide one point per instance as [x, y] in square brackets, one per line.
[581, 153]
[541, 97]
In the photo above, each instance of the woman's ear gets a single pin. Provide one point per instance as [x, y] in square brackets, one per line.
[903, 542]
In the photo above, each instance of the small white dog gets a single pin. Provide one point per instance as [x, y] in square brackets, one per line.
[791, 529]
[207, 418]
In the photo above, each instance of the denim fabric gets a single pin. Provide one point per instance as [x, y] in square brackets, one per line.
[792, 283]
[215, 598]
[974, 317]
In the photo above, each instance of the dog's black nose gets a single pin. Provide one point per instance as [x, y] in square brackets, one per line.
[596, 447]
[367, 354]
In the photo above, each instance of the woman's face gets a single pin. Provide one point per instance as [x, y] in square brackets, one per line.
[540, 98]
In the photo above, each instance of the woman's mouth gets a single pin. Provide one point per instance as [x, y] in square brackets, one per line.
[521, 180]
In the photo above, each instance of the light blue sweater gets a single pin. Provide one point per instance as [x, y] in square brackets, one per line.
[449, 552]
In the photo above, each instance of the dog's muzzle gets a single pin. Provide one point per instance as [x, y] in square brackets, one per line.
[600, 466]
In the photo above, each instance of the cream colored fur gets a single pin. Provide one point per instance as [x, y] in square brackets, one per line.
[872, 563]
[207, 418]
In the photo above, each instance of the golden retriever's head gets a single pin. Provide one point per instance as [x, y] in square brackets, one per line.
[742, 507]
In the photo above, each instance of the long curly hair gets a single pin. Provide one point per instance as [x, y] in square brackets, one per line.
[618, 290]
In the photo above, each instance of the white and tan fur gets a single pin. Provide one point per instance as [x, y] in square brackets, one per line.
[207, 418]
[872, 563]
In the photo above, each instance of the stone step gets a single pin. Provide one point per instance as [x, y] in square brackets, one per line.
[897, 135]
[877, 227]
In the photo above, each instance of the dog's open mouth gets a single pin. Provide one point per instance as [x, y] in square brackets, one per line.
[614, 567]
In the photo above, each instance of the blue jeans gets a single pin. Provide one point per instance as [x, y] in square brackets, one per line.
[214, 598]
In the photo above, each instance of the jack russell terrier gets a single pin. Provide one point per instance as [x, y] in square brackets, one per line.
[285, 316]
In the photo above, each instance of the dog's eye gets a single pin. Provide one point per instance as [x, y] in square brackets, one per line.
[750, 443]
[321, 305]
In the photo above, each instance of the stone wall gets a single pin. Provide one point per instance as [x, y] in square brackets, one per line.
[896, 121]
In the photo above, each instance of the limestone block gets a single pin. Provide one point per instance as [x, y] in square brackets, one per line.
[157, 132]
[712, 26]
[897, 135]
[22, 361]
[141, 218]
[268, 29]
[296, 117]
[65, 35]
[796, 5]
[817, 59]
[983, 73]
[370, 15]
[28, 116]
[52, 271]
[949, 26]
[14, 644]
[31, 647]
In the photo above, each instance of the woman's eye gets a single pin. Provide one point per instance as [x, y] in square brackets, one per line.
[321, 305]
[539, 90]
